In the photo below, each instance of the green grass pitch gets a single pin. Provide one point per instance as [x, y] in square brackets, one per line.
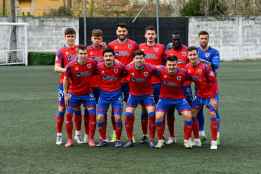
[27, 143]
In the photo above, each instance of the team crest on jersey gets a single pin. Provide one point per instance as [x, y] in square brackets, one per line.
[178, 78]
[207, 54]
[146, 74]
[129, 46]
[116, 70]
[89, 65]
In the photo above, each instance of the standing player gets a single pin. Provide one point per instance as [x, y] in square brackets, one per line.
[123, 48]
[77, 91]
[154, 55]
[95, 52]
[63, 56]
[110, 76]
[206, 90]
[177, 49]
[173, 80]
[141, 92]
[211, 55]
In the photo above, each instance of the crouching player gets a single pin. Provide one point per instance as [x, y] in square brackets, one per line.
[173, 80]
[110, 76]
[141, 90]
[77, 91]
[206, 84]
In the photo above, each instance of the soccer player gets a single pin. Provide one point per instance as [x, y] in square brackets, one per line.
[64, 55]
[123, 48]
[95, 52]
[177, 49]
[206, 89]
[110, 73]
[154, 55]
[173, 80]
[211, 55]
[77, 91]
[141, 92]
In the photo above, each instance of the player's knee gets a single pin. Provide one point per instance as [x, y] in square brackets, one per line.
[150, 109]
[117, 117]
[61, 108]
[130, 109]
[187, 115]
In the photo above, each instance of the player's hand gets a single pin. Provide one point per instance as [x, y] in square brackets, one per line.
[67, 98]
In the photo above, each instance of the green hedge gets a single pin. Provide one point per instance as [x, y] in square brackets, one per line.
[41, 58]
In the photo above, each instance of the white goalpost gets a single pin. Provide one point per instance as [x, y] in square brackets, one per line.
[13, 43]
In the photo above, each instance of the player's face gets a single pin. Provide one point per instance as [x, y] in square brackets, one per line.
[193, 56]
[82, 55]
[70, 39]
[122, 33]
[150, 35]
[203, 41]
[108, 58]
[139, 60]
[171, 66]
[97, 40]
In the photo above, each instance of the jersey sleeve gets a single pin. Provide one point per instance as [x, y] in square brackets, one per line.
[215, 61]
[59, 57]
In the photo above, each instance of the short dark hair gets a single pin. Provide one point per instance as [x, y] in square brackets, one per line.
[172, 58]
[97, 32]
[81, 47]
[108, 50]
[203, 33]
[192, 48]
[138, 53]
[150, 27]
[122, 25]
[69, 31]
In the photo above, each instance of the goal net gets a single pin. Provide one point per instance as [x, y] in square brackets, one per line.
[13, 44]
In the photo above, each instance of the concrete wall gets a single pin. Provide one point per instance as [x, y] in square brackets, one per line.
[46, 34]
[236, 38]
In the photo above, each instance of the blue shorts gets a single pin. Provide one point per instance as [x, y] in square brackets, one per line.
[165, 104]
[199, 103]
[156, 92]
[87, 100]
[146, 100]
[110, 98]
[188, 94]
[60, 95]
[125, 90]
